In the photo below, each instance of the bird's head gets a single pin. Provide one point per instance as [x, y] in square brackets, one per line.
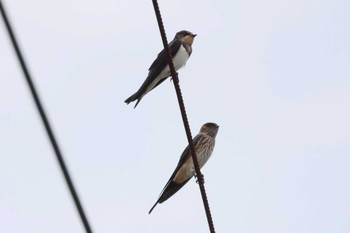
[210, 129]
[185, 36]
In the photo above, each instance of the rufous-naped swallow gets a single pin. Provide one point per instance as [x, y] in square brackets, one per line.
[180, 49]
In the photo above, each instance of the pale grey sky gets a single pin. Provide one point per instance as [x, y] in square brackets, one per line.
[275, 75]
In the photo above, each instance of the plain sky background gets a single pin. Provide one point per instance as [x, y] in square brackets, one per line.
[275, 75]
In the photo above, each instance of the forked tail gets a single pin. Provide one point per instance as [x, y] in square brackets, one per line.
[133, 98]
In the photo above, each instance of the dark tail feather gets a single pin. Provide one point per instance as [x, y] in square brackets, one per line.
[170, 189]
[133, 98]
[150, 211]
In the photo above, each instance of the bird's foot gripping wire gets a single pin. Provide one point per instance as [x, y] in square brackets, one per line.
[199, 177]
[177, 75]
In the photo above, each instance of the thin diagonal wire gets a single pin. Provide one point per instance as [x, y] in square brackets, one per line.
[184, 115]
[45, 121]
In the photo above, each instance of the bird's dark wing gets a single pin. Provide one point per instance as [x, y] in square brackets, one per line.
[172, 187]
[186, 154]
[161, 60]
[157, 66]
[184, 157]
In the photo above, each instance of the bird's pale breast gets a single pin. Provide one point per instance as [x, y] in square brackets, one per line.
[204, 149]
[179, 61]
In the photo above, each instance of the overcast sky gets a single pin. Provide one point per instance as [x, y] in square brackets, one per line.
[275, 75]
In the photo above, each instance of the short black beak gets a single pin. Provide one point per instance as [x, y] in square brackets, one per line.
[194, 35]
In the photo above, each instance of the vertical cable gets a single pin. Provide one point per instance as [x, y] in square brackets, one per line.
[45, 121]
[184, 115]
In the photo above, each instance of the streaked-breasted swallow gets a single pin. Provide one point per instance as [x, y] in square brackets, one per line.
[180, 49]
[204, 143]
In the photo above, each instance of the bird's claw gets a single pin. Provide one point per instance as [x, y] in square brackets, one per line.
[171, 79]
[197, 178]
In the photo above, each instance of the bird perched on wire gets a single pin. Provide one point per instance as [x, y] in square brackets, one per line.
[180, 49]
[203, 143]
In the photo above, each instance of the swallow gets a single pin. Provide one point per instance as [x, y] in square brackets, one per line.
[203, 143]
[180, 49]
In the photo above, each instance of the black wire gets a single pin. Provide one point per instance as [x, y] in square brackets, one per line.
[184, 116]
[45, 121]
